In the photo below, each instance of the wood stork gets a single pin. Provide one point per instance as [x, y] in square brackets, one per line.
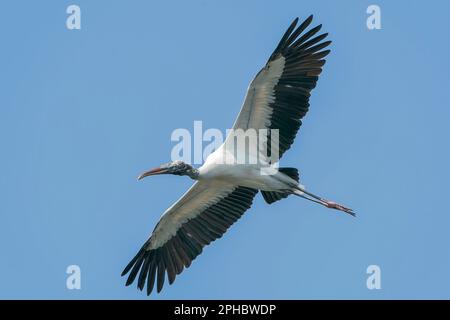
[277, 98]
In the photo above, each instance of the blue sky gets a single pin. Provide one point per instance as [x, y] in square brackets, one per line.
[83, 112]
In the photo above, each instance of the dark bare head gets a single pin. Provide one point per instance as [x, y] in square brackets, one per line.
[176, 167]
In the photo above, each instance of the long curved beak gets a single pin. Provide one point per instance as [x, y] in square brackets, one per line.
[152, 172]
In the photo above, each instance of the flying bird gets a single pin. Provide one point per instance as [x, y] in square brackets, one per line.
[277, 99]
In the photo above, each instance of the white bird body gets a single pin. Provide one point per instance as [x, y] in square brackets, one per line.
[226, 184]
[256, 176]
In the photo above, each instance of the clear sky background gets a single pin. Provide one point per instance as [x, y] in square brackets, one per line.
[83, 112]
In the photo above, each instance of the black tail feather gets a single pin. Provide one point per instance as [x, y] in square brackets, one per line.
[273, 196]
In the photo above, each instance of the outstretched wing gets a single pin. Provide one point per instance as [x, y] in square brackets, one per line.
[202, 215]
[278, 97]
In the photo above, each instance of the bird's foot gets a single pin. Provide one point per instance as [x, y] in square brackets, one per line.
[337, 206]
